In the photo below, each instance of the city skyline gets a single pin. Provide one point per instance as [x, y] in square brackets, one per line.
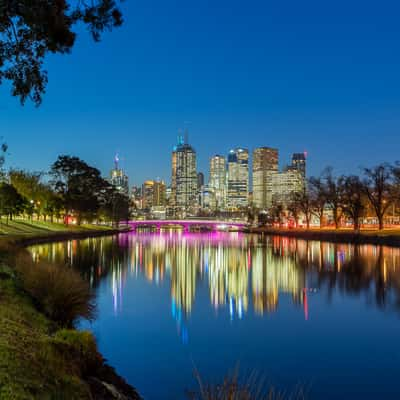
[148, 168]
[303, 78]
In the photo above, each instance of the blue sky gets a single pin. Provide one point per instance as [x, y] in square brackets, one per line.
[311, 75]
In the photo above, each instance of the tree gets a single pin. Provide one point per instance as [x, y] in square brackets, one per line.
[277, 213]
[318, 197]
[333, 195]
[380, 190]
[302, 201]
[29, 186]
[116, 206]
[11, 202]
[353, 198]
[294, 209]
[30, 29]
[79, 185]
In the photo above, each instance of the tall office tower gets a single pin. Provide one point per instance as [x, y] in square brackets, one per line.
[265, 165]
[299, 162]
[285, 184]
[184, 175]
[218, 180]
[160, 196]
[200, 180]
[172, 198]
[147, 195]
[238, 178]
[153, 194]
[118, 178]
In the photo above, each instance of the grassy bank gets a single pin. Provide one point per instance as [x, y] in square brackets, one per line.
[387, 237]
[39, 357]
[25, 232]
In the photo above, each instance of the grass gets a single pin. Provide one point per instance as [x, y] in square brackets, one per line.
[27, 227]
[232, 388]
[32, 365]
[39, 359]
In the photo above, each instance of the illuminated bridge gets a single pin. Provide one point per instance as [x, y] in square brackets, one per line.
[189, 225]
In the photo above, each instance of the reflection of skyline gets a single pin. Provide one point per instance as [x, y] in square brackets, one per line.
[241, 271]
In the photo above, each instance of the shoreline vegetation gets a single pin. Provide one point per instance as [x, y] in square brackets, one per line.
[41, 354]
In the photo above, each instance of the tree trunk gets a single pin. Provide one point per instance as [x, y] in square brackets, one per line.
[356, 225]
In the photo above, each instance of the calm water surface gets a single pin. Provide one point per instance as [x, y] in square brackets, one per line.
[325, 316]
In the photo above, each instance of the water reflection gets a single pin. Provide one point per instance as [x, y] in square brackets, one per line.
[242, 272]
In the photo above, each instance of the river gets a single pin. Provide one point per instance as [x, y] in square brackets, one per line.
[320, 316]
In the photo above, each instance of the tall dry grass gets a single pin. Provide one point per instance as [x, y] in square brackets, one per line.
[253, 388]
[58, 291]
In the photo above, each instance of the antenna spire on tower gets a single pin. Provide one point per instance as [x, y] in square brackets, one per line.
[116, 161]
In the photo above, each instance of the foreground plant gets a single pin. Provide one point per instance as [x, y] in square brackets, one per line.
[232, 388]
[58, 291]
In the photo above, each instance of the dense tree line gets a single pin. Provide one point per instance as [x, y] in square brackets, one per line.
[347, 198]
[71, 190]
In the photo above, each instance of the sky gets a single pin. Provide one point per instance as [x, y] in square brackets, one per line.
[315, 76]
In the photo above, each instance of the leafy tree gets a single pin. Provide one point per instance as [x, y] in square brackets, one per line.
[353, 198]
[80, 186]
[116, 206]
[50, 204]
[30, 29]
[29, 186]
[11, 202]
[379, 187]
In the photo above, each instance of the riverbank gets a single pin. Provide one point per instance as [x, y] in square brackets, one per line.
[388, 237]
[39, 359]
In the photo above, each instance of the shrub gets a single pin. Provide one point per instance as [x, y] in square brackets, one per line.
[58, 291]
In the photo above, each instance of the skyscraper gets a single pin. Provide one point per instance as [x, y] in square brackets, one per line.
[147, 194]
[238, 178]
[299, 162]
[184, 175]
[200, 180]
[285, 184]
[118, 178]
[265, 164]
[160, 193]
[153, 194]
[218, 179]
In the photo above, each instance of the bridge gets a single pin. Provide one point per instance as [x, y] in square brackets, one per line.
[188, 225]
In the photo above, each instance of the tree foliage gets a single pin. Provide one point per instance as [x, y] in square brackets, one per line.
[11, 202]
[30, 29]
[80, 186]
